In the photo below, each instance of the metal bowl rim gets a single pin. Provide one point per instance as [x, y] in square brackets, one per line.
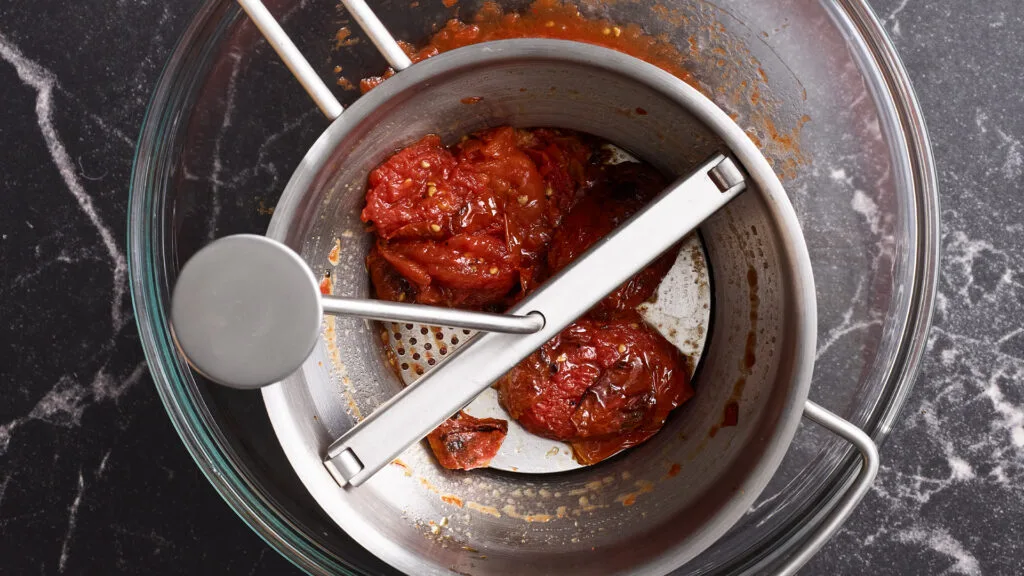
[465, 60]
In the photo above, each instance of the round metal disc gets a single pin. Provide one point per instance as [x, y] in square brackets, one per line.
[246, 311]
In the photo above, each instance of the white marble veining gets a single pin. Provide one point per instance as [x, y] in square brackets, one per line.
[951, 489]
[72, 520]
[44, 83]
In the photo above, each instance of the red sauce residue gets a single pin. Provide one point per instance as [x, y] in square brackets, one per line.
[471, 100]
[741, 76]
[644, 487]
[641, 112]
[452, 499]
[673, 470]
[426, 484]
[334, 256]
[343, 38]
[449, 3]
[489, 510]
[405, 467]
[326, 285]
[731, 414]
[546, 19]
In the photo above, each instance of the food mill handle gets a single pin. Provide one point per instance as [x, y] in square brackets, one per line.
[292, 58]
[299, 66]
[462, 376]
[378, 34]
[849, 500]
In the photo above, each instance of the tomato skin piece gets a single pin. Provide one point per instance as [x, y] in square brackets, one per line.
[464, 442]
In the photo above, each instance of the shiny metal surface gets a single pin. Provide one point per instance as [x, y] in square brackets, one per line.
[419, 408]
[848, 499]
[245, 312]
[652, 508]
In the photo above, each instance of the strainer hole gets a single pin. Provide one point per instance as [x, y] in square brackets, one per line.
[401, 351]
[455, 339]
[412, 341]
[405, 366]
[416, 356]
[424, 330]
[431, 361]
[426, 346]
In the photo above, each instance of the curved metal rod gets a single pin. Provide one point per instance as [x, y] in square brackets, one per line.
[854, 494]
[433, 315]
[292, 58]
[378, 34]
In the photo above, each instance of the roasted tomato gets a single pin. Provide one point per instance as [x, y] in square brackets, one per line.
[470, 226]
[464, 442]
[618, 193]
[602, 385]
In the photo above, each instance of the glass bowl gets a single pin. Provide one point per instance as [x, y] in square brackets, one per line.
[228, 124]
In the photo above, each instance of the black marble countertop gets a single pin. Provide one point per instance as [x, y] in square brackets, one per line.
[94, 480]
